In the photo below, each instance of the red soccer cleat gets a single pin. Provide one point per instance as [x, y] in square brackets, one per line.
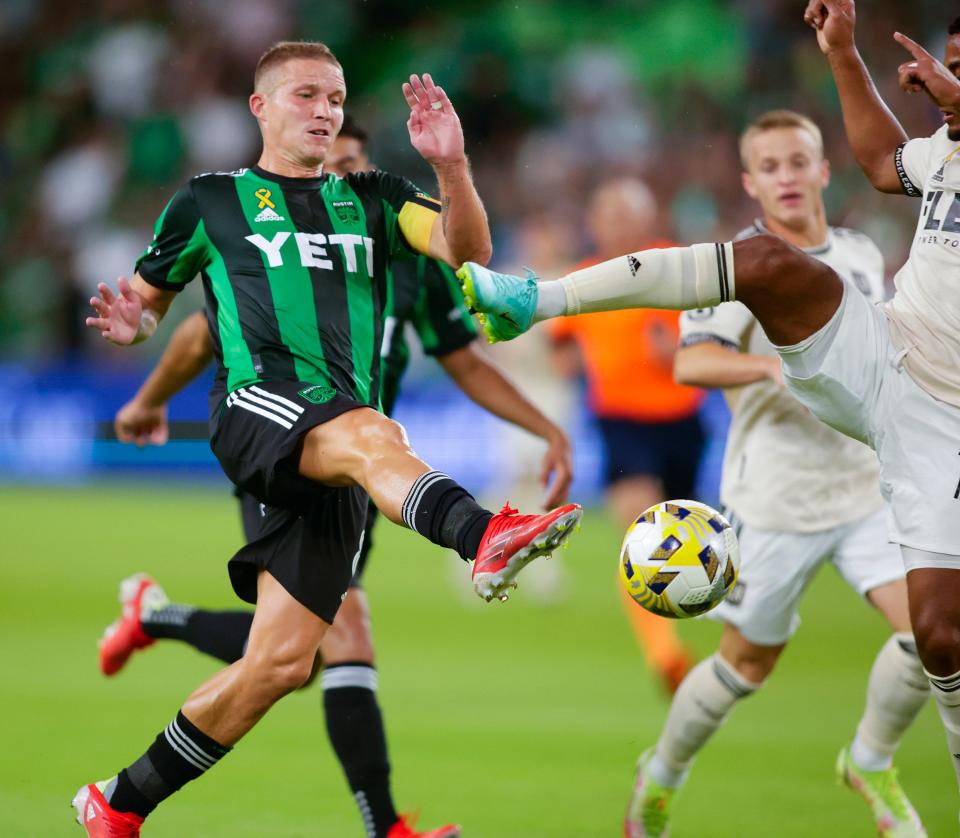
[96, 816]
[403, 829]
[512, 541]
[122, 638]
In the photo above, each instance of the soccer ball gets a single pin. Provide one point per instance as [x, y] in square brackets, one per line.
[679, 558]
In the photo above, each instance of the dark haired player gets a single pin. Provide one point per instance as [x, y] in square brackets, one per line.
[424, 295]
[295, 272]
[888, 375]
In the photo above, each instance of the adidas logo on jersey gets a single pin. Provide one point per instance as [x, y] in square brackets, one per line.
[267, 214]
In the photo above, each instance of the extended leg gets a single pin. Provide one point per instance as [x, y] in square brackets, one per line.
[363, 447]
[791, 293]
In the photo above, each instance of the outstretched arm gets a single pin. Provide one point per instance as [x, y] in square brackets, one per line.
[461, 234]
[132, 315]
[872, 130]
[143, 419]
[711, 365]
[487, 385]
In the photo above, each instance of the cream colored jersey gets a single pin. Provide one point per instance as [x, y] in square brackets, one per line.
[783, 469]
[924, 314]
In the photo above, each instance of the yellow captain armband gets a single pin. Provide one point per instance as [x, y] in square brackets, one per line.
[416, 220]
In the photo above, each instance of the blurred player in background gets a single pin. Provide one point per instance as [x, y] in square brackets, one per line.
[652, 438]
[423, 294]
[295, 266]
[799, 494]
[886, 375]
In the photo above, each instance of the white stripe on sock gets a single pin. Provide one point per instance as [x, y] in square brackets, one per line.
[339, 677]
[424, 482]
[187, 743]
[182, 752]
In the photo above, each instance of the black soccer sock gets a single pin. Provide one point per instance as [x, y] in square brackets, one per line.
[222, 634]
[440, 509]
[355, 728]
[179, 754]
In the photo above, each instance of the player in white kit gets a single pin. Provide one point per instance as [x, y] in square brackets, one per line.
[799, 494]
[886, 375]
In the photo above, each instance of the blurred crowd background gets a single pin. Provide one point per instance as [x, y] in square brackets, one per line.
[105, 107]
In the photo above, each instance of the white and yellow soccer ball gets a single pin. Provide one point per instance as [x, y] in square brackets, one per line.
[680, 558]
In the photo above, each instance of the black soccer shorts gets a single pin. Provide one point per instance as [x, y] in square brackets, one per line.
[308, 536]
[254, 514]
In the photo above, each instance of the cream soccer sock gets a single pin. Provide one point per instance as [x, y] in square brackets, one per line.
[700, 706]
[896, 692]
[680, 278]
[946, 692]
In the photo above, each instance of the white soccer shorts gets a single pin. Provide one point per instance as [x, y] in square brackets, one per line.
[849, 374]
[776, 567]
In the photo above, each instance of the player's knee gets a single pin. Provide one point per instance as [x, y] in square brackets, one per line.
[756, 670]
[283, 670]
[752, 663]
[349, 638]
[938, 641]
[376, 433]
[762, 259]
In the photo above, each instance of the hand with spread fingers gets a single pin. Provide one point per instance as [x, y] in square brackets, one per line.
[118, 315]
[927, 75]
[434, 126]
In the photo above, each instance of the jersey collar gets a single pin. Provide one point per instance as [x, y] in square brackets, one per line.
[290, 182]
[819, 250]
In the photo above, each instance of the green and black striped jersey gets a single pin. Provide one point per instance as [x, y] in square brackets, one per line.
[295, 270]
[425, 294]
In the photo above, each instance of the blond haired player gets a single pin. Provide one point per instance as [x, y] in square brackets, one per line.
[295, 268]
[800, 495]
[887, 375]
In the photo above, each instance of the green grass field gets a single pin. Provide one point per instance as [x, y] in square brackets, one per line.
[515, 720]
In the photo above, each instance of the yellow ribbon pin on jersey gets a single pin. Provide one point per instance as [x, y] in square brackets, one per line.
[264, 195]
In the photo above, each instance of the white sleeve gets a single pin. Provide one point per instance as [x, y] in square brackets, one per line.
[725, 324]
[912, 160]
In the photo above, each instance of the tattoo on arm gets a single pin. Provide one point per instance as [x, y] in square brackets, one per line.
[444, 207]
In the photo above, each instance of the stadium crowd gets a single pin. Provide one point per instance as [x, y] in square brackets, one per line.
[105, 107]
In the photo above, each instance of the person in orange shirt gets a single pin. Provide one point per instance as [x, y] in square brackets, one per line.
[649, 424]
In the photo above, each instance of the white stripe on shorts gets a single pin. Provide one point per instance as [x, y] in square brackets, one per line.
[234, 401]
[289, 414]
[292, 405]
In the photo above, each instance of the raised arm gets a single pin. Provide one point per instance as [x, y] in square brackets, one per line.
[487, 385]
[461, 234]
[143, 420]
[872, 130]
[712, 365]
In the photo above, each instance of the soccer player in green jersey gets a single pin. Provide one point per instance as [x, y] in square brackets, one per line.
[423, 293]
[295, 272]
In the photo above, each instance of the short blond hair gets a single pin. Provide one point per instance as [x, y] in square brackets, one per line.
[284, 51]
[778, 119]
